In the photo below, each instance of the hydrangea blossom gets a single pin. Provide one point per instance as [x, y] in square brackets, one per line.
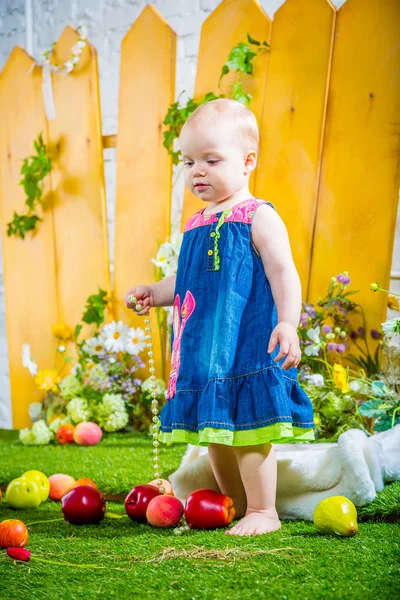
[39, 435]
[70, 387]
[56, 423]
[146, 386]
[111, 413]
[78, 410]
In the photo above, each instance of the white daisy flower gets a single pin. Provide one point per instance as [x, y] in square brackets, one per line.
[136, 340]
[164, 254]
[27, 359]
[115, 336]
[95, 346]
[391, 326]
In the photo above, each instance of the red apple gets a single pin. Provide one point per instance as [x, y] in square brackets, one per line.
[138, 499]
[83, 505]
[65, 433]
[164, 511]
[207, 509]
[13, 533]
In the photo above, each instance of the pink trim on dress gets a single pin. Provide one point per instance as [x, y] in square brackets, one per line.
[239, 213]
[179, 320]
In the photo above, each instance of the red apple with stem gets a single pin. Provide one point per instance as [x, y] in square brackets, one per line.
[83, 505]
[138, 499]
[207, 509]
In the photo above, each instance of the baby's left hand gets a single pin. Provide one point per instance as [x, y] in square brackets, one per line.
[286, 336]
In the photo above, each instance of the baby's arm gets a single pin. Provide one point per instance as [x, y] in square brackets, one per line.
[163, 291]
[271, 240]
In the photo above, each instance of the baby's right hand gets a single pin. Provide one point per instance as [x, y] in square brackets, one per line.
[144, 296]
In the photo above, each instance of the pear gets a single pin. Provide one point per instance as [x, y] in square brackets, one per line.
[336, 515]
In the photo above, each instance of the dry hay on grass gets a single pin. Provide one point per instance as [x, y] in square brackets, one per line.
[228, 555]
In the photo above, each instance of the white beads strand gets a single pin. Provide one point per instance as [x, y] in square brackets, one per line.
[154, 409]
[154, 403]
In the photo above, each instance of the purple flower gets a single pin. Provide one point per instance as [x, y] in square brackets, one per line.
[331, 347]
[309, 308]
[326, 328]
[304, 319]
[343, 279]
[361, 332]
[353, 335]
[375, 334]
[340, 348]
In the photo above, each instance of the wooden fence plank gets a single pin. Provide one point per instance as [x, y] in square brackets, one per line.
[358, 193]
[293, 120]
[80, 220]
[29, 265]
[228, 25]
[144, 169]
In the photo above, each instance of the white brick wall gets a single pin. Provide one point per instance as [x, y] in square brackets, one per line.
[107, 22]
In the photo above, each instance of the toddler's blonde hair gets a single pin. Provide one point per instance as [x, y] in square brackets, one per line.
[232, 110]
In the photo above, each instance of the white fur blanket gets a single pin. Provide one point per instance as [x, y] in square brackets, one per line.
[356, 466]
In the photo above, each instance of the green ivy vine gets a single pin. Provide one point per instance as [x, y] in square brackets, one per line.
[240, 60]
[34, 169]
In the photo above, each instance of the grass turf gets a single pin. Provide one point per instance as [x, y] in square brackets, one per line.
[121, 559]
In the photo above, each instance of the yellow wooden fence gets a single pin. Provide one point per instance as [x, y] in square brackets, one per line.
[327, 100]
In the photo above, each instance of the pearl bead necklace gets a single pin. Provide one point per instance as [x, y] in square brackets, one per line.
[154, 403]
[154, 407]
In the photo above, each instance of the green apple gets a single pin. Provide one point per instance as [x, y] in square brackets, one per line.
[42, 481]
[23, 493]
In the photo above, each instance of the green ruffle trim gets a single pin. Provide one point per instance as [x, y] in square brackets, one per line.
[216, 239]
[278, 433]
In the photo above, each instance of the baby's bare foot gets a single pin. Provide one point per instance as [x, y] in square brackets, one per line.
[256, 522]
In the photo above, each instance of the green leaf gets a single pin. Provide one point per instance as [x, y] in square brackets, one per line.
[384, 424]
[94, 308]
[34, 169]
[372, 409]
[252, 40]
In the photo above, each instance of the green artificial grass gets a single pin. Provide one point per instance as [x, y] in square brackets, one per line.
[122, 559]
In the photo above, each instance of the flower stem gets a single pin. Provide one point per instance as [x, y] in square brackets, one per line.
[45, 521]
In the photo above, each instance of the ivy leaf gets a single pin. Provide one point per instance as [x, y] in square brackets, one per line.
[94, 308]
[239, 95]
[240, 58]
[77, 331]
[34, 169]
[21, 224]
[252, 40]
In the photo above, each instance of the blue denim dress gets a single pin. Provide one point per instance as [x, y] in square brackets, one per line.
[224, 387]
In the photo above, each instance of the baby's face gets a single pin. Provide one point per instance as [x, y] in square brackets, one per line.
[214, 161]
